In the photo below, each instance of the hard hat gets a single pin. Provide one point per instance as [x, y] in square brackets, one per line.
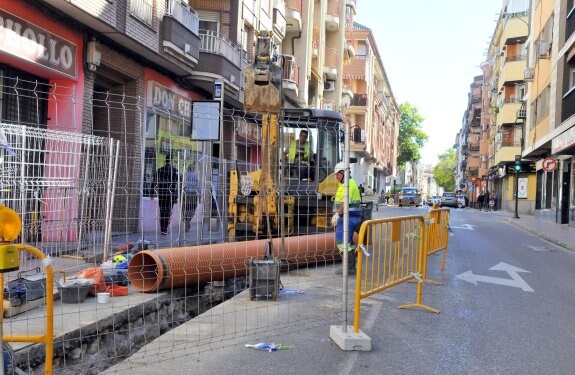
[339, 167]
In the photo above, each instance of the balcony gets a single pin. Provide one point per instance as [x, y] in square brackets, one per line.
[214, 44]
[473, 172]
[358, 104]
[508, 113]
[143, 10]
[474, 147]
[515, 29]
[219, 57]
[279, 22]
[332, 16]
[293, 16]
[512, 72]
[290, 76]
[507, 151]
[331, 63]
[180, 34]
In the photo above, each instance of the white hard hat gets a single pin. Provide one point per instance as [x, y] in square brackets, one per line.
[339, 167]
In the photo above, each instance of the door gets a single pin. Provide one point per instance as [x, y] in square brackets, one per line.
[565, 187]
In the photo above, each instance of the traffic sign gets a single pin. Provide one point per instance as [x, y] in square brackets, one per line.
[549, 164]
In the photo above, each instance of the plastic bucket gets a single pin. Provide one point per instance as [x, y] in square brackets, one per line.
[103, 297]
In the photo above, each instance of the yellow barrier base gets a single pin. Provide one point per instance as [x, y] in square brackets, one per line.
[427, 281]
[431, 309]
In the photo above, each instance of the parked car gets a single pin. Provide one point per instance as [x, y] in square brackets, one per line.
[410, 196]
[434, 199]
[461, 201]
[448, 199]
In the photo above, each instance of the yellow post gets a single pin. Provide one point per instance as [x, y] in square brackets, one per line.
[10, 227]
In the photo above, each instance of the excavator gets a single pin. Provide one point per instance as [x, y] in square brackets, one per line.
[288, 194]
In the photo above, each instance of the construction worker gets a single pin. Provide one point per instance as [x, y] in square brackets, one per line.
[355, 218]
[299, 155]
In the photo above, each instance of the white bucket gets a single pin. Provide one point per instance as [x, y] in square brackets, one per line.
[103, 297]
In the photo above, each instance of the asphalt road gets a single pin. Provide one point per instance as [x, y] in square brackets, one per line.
[506, 308]
[506, 305]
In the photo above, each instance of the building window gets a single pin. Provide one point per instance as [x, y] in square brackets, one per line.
[571, 79]
[143, 10]
[209, 22]
[361, 49]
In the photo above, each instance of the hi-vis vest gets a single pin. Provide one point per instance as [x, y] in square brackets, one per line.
[293, 150]
[354, 196]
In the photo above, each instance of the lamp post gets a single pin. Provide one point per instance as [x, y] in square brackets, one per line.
[517, 170]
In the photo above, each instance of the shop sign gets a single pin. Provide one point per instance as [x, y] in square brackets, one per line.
[160, 97]
[563, 140]
[32, 43]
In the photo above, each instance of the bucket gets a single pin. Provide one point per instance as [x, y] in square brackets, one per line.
[103, 297]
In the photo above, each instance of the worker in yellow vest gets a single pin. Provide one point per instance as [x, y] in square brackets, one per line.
[355, 218]
[299, 156]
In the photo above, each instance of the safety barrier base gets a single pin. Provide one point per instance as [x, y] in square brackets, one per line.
[350, 340]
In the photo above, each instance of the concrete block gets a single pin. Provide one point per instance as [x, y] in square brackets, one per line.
[350, 340]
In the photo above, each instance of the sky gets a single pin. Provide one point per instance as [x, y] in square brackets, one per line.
[431, 50]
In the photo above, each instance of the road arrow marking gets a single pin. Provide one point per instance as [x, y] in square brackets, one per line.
[515, 281]
[464, 226]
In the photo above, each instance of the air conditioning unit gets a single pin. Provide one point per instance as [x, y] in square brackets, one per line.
[529, 73]
[521, 114]
[329, 86]
[543, 51]
[484, 127]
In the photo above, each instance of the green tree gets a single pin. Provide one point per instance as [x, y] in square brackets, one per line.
[444, 171]
[411, 136]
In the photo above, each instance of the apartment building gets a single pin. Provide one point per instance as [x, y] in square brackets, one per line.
[550, 131]
[132, 69]
[372, 111]
[507, 62]
[469, 141]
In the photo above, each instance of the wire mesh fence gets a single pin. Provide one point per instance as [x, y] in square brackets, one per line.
[103, 179]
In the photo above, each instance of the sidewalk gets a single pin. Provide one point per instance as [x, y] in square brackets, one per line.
[559, 234]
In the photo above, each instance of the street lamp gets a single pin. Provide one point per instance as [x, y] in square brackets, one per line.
[517, 170]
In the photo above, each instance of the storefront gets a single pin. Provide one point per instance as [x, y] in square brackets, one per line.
[563, 149]
[167, 135]
[41, 86]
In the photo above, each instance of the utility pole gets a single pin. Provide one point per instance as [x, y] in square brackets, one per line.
[517, 170]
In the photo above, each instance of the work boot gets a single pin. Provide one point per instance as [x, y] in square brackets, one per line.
[350, 265]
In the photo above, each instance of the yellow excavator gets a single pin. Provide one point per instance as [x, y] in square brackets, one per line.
[288, 194]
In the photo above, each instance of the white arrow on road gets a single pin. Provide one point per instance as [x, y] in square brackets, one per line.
[464, 226]
[515, 281]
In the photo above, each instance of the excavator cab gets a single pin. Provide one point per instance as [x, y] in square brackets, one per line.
[304, 186]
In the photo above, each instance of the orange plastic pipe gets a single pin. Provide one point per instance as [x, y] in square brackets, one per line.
[150, 271]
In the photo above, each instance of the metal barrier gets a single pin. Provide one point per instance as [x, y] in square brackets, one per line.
[48, 337]
[397, 254]
[437, 234]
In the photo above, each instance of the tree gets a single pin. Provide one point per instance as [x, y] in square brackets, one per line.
[411, 136]
[444, 171]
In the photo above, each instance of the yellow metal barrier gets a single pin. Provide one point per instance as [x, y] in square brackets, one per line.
[437, 234]
[397, 248]
[48, 337]
[10, 227]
